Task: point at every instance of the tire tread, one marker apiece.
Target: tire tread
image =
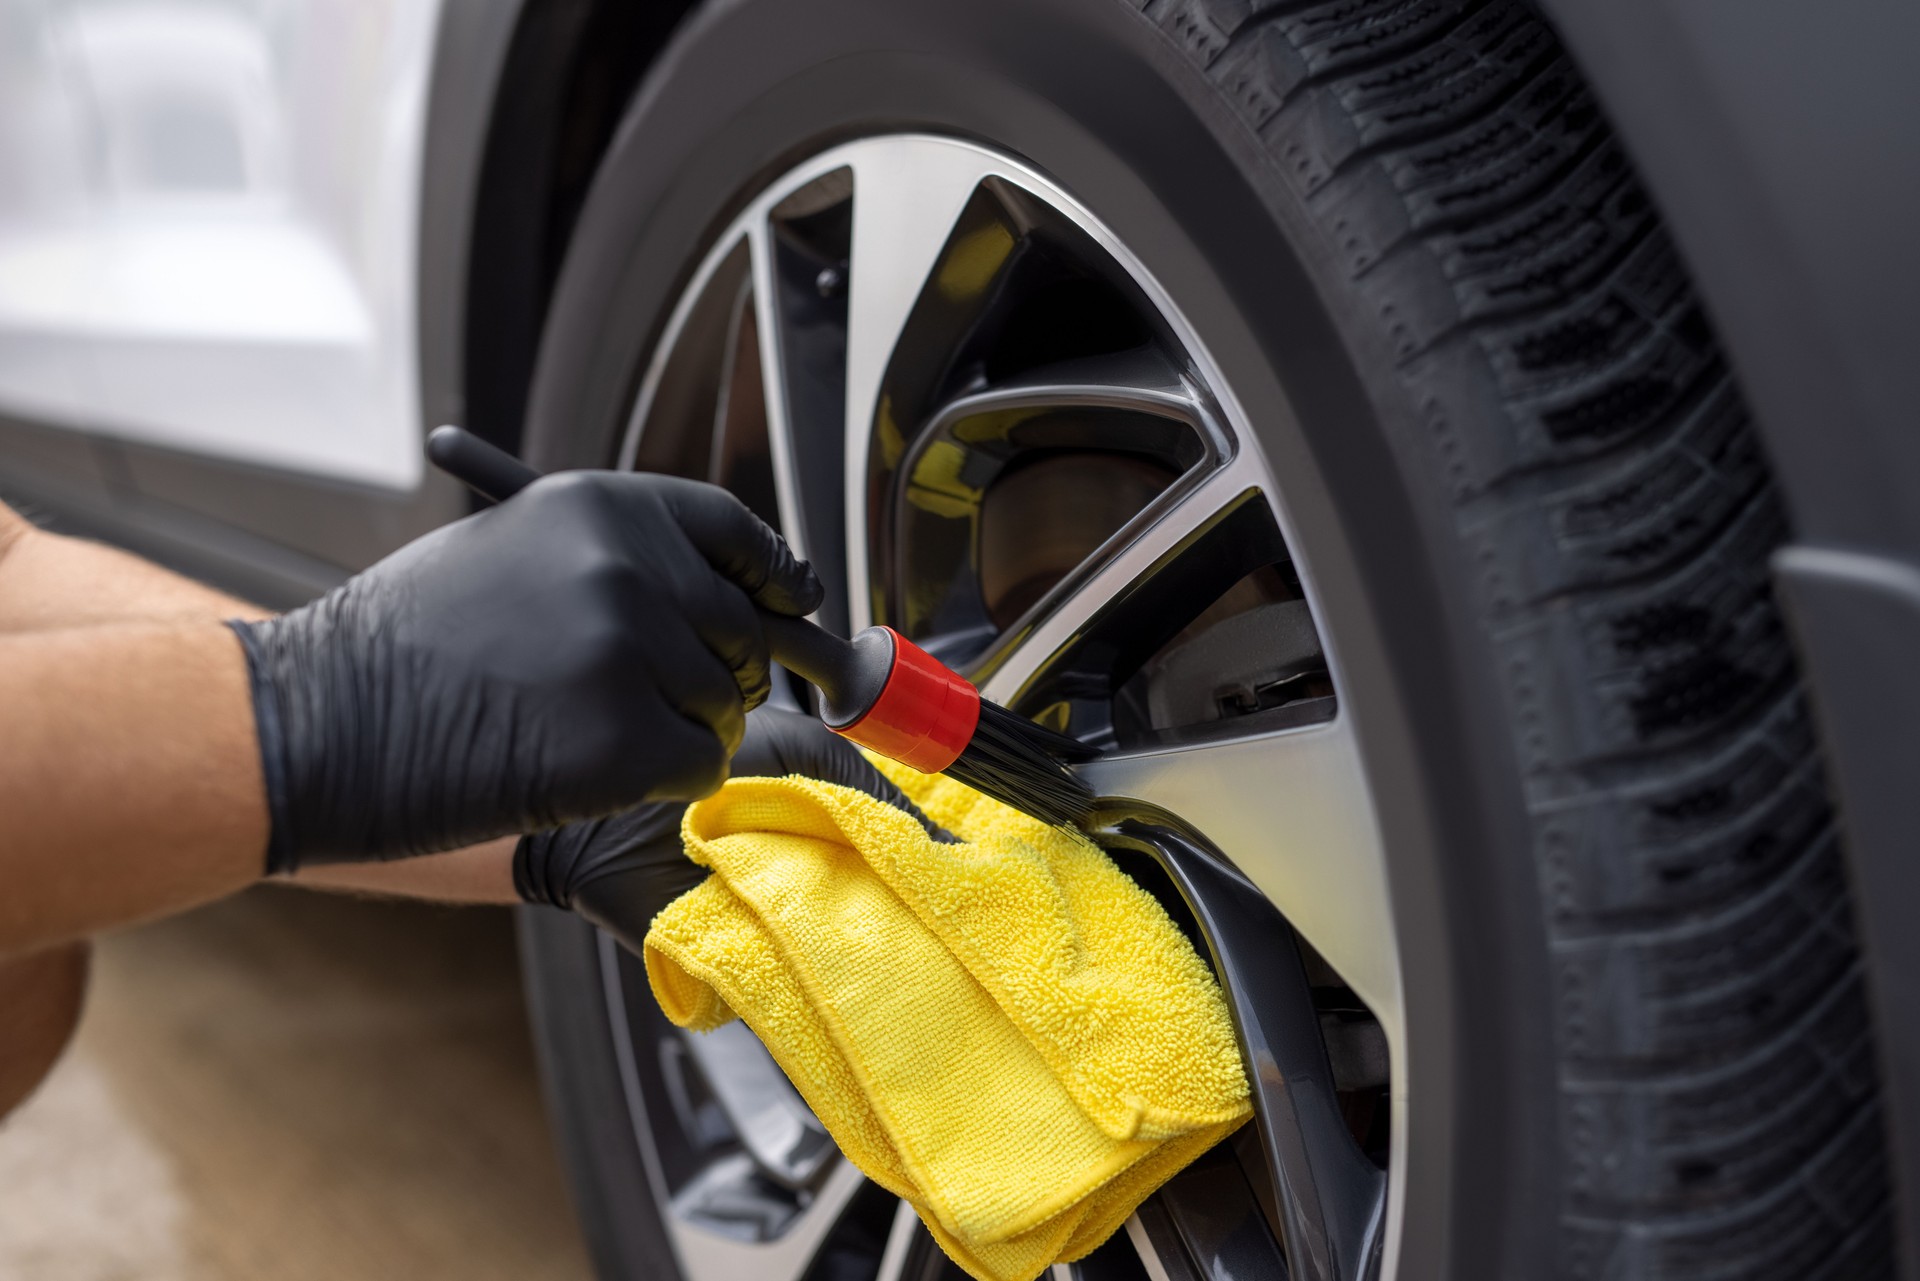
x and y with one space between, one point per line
1718 1099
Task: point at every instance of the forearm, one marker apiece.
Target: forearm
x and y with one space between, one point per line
477 874
130 782
49 581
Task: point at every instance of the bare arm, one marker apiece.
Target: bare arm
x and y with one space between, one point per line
129 778
50 586
478 874
48 581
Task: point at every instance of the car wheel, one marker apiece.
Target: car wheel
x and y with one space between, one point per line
1302 405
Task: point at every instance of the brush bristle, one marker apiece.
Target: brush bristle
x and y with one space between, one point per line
1018 763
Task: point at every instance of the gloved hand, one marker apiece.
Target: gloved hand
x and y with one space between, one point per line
586 646
619 872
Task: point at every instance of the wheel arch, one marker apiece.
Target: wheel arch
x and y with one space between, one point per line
1778 141
523 101
1768 138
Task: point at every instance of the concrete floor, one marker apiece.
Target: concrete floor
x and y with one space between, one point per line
293 1087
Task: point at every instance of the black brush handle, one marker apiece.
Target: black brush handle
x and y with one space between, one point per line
810 651
820 658
850 674
487 469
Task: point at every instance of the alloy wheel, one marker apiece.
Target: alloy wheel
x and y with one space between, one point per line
984 421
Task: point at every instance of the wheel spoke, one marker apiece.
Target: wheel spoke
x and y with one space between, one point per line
1147 544
709 1256
1290 811
893 1260
907 194
1142 379
1290 808
773 379
1331 1199
778 1131
1149 1253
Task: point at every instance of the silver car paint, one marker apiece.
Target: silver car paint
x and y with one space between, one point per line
209 226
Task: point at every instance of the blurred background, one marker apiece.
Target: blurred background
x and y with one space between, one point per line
206 225
293 1086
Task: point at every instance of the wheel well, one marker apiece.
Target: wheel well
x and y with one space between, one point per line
568 74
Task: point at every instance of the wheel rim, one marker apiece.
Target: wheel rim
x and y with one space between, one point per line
1260 819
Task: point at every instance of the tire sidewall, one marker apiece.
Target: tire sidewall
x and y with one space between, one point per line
1096 96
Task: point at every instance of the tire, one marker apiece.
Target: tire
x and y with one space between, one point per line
1541 521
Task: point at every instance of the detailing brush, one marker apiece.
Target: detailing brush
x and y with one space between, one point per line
879 689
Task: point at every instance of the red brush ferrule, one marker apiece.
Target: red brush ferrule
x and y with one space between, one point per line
925 715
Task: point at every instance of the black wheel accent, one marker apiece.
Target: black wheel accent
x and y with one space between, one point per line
1539 526
1328 1200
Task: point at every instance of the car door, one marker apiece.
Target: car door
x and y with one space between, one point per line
209 225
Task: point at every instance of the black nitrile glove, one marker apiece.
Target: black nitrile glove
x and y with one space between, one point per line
619 872
588 645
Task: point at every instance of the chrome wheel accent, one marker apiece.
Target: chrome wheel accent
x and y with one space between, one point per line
1259 814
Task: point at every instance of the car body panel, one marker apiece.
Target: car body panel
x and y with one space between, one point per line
270 496
208 234
1782 143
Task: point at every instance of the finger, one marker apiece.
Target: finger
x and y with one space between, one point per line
695 761
743 547
694 681
726 623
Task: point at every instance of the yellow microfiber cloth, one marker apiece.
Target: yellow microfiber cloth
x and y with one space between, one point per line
1007 1032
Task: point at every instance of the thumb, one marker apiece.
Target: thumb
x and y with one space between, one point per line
742 547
